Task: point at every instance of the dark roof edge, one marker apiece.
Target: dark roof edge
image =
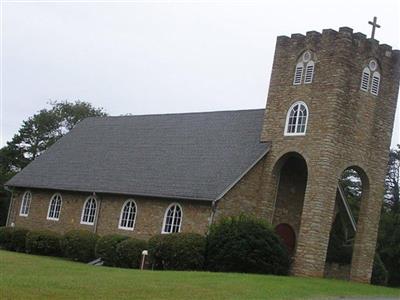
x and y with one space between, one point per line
243 174
110 192
178 113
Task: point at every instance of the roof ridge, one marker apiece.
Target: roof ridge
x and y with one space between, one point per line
182 113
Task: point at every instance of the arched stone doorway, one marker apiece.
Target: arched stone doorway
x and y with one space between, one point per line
288 236
351 197
291 171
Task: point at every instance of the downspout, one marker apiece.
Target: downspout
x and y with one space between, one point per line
97 212
10 206
213 210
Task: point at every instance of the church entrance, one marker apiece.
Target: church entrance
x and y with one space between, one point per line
291 170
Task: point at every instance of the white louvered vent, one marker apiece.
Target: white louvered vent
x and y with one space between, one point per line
298 74
309 72
376 78
365 80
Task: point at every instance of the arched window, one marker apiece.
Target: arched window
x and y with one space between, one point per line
368 84
376 79
172 219
365 79
306 63
296 119
53 212
25 204
89 211
128 215
309 72
298 74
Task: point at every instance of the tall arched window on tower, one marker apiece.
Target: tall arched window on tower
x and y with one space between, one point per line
309 72
306 65
298 73
376 80
89 211
128 215
25 204
365 79
371 83
172 219
296 119
53 212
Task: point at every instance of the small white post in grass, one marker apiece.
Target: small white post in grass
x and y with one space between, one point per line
144 254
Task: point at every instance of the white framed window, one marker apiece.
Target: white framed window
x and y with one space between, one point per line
89 211
365 79
371 78
309 72
296 119
53 213
298 74
128 215
304 71
172 219
25 204
376 79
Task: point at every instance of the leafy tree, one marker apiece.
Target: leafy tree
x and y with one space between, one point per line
389 230
43 129
35 136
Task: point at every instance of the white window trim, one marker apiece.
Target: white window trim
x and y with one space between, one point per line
83 211
134 218
365 70
22 204
286 133
48 210
298 65
310 63
375 74
165 218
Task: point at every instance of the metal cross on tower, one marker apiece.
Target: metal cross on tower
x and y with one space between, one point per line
374 25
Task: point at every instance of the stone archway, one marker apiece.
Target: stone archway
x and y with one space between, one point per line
351 199
292 173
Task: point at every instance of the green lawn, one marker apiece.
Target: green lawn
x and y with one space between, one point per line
34 277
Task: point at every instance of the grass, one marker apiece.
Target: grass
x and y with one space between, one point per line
25 276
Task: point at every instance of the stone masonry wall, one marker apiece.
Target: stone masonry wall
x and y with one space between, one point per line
244 197
346 127
149 217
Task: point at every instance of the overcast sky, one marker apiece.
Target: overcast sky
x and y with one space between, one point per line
154 57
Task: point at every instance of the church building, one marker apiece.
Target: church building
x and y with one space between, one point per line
331 106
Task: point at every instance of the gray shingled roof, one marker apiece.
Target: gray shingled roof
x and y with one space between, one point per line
192 155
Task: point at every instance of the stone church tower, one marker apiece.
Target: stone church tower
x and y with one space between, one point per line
331 105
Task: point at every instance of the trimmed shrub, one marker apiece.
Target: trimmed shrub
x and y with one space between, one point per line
380 275
129 253
79 245
106 248
43 242
12 238
246 244
177 251
6 237
18 239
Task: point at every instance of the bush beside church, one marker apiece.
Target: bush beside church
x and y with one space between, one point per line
237 244
254 248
